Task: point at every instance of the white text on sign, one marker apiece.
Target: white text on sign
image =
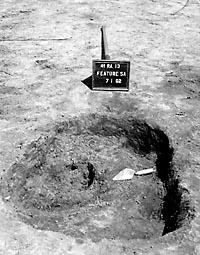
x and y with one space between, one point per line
107 65
110 73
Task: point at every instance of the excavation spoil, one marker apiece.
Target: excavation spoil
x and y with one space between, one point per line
64 181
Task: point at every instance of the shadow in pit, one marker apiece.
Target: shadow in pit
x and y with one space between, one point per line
78 183
144 138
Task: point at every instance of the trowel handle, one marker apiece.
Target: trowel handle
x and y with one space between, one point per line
104 44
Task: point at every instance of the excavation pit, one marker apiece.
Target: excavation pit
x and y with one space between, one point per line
64 181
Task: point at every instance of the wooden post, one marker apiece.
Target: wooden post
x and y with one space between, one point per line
104 44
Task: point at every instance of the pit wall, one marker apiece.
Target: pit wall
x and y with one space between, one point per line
145 138
142 138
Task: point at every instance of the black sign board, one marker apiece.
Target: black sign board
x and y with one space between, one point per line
110 75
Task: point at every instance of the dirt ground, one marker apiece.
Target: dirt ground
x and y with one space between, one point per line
47 48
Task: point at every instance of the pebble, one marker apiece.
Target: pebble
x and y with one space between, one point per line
7 198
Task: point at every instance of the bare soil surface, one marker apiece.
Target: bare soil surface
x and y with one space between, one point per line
46 49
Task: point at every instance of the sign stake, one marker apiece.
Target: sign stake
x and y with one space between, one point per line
104 44
108 75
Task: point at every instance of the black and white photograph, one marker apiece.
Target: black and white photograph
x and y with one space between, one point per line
99 127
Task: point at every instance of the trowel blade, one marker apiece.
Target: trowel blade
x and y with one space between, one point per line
125 174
